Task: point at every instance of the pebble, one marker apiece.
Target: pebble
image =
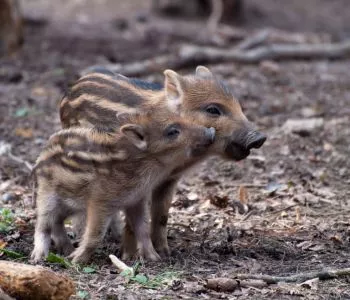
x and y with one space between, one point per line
192 196
9 197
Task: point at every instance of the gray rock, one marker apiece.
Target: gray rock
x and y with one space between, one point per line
303 127
9 197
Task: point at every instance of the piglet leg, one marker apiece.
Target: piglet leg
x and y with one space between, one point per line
138 218
98 219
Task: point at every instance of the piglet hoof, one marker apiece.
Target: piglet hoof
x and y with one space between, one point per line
150 254
40 251
38 255
162 247
79 256
127 256
164 252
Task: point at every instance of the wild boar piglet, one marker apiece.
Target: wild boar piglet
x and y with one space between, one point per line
95 172
203 97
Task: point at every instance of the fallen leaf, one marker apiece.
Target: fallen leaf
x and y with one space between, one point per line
39 92
140 278
284 214
83 294
243 194
21 112
219 201
273 187
11 254
89 270
53 258
311 284
336 238
2 244
26 133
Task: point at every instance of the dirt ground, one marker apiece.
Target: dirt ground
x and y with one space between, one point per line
298 184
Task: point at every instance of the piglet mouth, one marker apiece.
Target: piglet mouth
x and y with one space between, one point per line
236 152
203 146
200 149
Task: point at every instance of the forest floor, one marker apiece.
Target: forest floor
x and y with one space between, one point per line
298 215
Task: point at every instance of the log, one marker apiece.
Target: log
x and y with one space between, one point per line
29 282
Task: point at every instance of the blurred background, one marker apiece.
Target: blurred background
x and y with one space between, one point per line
296 211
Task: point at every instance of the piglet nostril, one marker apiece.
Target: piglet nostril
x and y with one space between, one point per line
256 141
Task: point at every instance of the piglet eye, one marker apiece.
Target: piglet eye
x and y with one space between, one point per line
172 131
213 110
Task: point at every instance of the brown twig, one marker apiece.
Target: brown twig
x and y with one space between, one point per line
301 277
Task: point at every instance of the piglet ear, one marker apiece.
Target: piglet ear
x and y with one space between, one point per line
123 117
203 72
135 134
173 90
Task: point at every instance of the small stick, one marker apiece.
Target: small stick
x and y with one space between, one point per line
21 161
247 216
248 185
301 277
283 209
